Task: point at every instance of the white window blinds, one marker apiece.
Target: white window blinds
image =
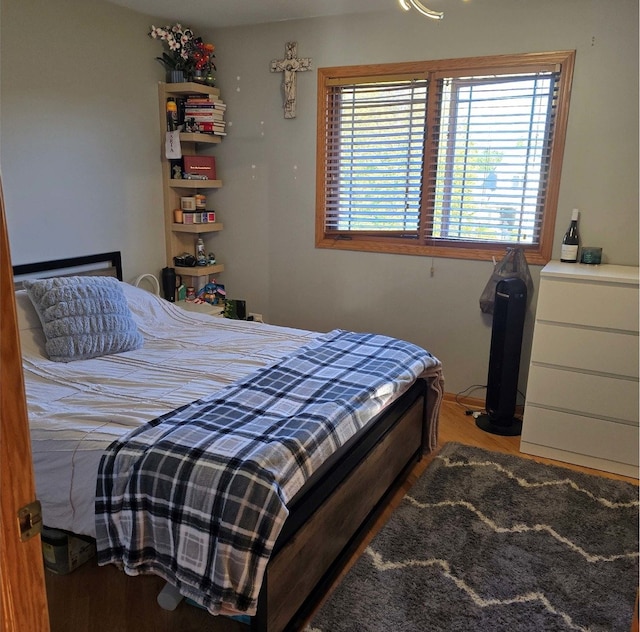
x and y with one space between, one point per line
489 168
375 142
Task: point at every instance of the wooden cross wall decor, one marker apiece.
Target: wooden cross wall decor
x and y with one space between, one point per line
290 65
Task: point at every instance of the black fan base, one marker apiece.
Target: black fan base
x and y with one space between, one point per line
511 429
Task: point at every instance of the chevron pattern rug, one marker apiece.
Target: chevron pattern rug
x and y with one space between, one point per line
496 543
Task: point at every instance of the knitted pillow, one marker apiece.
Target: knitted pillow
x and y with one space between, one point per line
83 317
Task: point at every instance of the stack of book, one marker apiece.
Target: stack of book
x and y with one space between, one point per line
204 114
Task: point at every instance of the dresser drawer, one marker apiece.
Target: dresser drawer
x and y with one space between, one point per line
581 435
586 349
595 395
610 306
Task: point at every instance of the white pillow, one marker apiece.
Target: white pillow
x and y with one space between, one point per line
83 317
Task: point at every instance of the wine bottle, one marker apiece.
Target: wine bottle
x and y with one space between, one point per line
571 240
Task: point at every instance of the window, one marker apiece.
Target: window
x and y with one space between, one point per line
454 158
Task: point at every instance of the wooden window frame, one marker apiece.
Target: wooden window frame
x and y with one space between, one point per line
539 253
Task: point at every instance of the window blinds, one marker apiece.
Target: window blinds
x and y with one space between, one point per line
488 171
478 174
375 142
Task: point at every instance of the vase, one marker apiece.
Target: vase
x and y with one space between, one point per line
175 76
199 76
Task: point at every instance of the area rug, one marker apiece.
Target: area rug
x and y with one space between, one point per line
496 543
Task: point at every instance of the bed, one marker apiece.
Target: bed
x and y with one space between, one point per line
80 410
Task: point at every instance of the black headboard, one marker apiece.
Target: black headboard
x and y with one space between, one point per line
112 260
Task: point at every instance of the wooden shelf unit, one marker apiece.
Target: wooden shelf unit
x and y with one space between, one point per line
181 238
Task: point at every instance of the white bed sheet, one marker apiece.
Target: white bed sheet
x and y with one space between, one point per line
77 409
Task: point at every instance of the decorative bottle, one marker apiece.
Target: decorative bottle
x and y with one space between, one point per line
201 257
172 115
571 240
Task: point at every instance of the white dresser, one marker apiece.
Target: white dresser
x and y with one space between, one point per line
582 392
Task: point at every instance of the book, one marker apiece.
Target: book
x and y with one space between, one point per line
207 119
205 103
202 97
219 114
205 106
203 112
208 126
204 100
203 129
204 119
200 165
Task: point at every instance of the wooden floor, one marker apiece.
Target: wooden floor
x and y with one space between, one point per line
97 599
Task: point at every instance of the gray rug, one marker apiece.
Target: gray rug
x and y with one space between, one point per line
492 542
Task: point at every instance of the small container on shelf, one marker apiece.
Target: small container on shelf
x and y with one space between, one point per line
201 202
188 203
591 255
201 257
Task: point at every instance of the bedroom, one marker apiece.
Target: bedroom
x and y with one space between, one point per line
83 123
78 126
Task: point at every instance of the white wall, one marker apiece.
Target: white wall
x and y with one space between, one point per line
79 135
79 153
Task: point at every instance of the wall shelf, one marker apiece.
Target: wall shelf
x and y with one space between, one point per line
195 184
200 271
197 228
194 137
189 87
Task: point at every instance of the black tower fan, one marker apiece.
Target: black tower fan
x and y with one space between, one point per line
504 359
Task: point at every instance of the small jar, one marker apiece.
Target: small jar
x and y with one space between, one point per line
188 203
178 216
201 202
591 255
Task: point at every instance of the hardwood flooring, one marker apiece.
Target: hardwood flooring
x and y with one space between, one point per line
101 599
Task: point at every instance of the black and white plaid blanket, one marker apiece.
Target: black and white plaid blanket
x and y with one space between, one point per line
198 496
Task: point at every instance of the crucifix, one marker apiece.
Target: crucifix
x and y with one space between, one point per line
290 65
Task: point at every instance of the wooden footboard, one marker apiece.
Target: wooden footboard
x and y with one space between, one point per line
354 492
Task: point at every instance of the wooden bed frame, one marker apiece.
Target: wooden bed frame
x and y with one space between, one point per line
333 511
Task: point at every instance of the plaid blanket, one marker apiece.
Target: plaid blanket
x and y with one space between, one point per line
198 496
